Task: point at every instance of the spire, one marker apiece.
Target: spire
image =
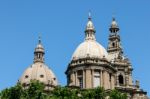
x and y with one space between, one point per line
39 52
89 17
39 39
90 30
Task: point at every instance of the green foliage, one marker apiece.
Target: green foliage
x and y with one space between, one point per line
36 91
97 93
12 93
64 93
114 94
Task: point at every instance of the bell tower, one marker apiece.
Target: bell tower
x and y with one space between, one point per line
118 60
114 45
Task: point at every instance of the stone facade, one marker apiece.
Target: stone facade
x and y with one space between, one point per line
92 66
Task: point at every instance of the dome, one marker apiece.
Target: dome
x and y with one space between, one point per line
89 48
90 25
39 48
38 71
114 24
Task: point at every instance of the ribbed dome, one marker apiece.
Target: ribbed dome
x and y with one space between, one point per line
38 71
89 48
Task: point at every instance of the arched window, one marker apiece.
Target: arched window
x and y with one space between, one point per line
113 44
121 79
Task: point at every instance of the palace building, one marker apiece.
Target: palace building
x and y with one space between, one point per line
92 65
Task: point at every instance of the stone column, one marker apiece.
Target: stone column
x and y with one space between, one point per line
104 80
76 83
108 82
101 78
126 80
130 79
88 80
73 78
83 77
112 82
117 80
92 79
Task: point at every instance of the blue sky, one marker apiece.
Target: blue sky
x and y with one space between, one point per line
61 24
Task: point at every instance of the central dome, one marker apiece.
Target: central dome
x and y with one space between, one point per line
89 48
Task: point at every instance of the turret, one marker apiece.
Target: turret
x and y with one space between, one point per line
39 52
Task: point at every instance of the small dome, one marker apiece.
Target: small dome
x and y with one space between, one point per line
38 71
89 25
89 48
114 24
39 48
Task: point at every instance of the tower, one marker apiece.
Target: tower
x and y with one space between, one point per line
116 56
123 76
114 46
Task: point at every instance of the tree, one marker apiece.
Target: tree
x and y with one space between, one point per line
88 94
12 93
99 93
64 93
34 90
115 94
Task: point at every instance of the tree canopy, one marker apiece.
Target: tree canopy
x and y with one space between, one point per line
36 90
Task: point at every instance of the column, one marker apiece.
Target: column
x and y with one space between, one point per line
105 81
101 78
76 83
112 82
83 78
73 78
88 79
92 83
117 80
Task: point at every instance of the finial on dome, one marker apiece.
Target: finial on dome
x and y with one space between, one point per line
39 38
39 45
113 18
89 17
